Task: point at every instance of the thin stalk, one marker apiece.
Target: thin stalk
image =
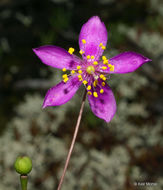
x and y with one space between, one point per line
73 141
23 181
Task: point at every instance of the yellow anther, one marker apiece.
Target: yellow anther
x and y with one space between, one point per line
95 83
64 69
80 71
101 91
64 76
95 94
80 78
104 68
100 45
90 69
89 93
95 63
81 52
103 58
102 76
66 79
83 41
85 82
72 72
103 83
88 56
89 87
92 56
78 67
111 67
103 47
71 50
105 62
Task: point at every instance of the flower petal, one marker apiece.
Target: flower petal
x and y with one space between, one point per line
127 62
62 92
104 106
56 57
94 32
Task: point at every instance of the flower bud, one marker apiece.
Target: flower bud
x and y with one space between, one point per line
23 165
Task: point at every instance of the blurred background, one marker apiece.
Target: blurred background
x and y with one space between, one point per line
106 156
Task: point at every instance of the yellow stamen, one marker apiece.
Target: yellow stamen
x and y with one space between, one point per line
88 56
80 71
95 83
90 69
104 68
89 87
78 67
64 76
95 63
102 76
101 91
85 82
66 79
103 83
103 58
111 67
72 72
100 45
83 41
89 93
105 62
95 94
80 78
64 69
81 52
103 47
71 50
92 57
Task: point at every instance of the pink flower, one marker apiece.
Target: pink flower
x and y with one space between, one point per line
90 70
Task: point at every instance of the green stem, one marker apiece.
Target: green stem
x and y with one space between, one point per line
24 181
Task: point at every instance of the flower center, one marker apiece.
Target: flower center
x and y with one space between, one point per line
90 70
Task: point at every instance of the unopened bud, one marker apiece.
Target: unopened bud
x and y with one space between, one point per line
23 165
